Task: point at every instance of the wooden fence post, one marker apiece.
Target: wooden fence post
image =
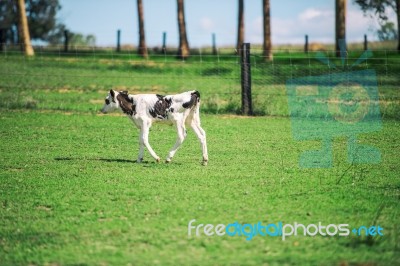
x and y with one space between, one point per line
247 108
164 42
66 40
2 38
214 44
306 45
118 40
365 42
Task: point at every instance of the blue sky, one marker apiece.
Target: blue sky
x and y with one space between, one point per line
290 21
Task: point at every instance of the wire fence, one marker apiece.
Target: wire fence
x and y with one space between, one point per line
79 79
86 73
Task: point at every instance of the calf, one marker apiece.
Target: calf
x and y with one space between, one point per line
144 109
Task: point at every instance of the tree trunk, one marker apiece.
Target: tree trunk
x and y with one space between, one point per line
340 24
2 39
240 35
183 42
398 24
24 29
142 50
267 45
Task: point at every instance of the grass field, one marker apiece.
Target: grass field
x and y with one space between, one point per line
86 76
71 193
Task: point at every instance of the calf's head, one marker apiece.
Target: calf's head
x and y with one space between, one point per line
116 100
110 103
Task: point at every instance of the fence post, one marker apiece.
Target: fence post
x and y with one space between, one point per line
118 40
66 40
2 38
365 42
214 45
247 108
306 45
164 41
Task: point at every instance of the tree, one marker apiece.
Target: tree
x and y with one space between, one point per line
56 35
7 21
240 34
23 29
379 7
267 45
387 32
42 21
42 17
183 42
79 39
142 42
340 22
398 24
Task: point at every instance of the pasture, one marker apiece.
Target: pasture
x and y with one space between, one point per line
72 194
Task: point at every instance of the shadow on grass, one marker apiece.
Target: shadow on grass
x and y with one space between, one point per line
143 163
95 159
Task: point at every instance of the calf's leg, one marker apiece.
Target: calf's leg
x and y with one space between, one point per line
200 133
145 139
141 147
181 132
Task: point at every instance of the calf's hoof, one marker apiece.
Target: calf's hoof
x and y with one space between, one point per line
158 160
205 162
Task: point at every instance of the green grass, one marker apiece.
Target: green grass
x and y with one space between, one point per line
71 193
83 76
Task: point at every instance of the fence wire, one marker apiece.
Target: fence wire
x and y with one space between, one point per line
78 80
87 73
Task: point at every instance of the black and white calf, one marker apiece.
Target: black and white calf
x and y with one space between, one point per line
144 109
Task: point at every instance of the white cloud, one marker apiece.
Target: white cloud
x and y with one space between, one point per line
255 32
311 13
318 24
206 24
357 25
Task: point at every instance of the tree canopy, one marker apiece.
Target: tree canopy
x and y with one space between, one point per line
42 20
379 7
387 32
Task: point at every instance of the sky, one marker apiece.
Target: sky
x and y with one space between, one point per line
290 21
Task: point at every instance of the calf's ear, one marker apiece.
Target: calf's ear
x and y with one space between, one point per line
112 93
